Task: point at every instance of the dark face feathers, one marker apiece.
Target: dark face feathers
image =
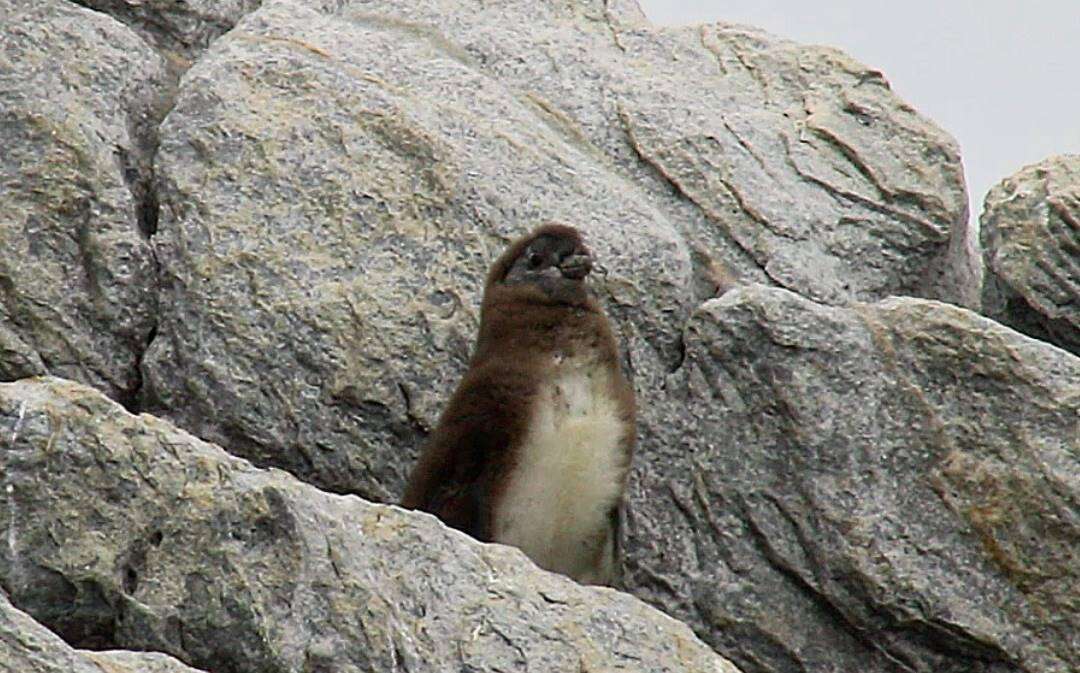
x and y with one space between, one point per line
538 284
553 257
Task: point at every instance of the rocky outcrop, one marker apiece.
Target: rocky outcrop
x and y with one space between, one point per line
78 96
180 30
324 239
885 487
28 647
790 164
335 183
1031 239
288 264
122 531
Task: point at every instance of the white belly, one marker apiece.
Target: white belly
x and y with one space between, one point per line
569 474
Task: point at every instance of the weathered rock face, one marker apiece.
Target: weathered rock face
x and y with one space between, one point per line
28 647
179 29
887 487
335 181
124 531
1031 238
883 487
332 193
790 164
77 277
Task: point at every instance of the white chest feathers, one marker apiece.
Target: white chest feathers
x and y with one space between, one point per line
569 475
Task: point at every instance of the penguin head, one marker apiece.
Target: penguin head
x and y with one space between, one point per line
552 256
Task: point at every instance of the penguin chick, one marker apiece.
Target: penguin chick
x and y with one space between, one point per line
534 447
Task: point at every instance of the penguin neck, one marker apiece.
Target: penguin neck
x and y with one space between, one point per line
526 323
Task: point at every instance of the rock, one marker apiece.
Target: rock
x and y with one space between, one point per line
28 647
333 191
179 29
885 487
335 182
77 277
794 165
1031 242
123 531
821 484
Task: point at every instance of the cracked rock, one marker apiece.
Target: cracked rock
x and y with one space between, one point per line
792 165
1031 238
29 647
77 279
127 532
886 487
179 29
333 190
336 179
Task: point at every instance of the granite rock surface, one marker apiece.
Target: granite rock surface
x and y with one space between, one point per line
123 531
262 228
1031 242
28 647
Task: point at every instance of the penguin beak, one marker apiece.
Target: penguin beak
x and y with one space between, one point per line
576 266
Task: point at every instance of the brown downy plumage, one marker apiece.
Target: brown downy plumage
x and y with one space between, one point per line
535 444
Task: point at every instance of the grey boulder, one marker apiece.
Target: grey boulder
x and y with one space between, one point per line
787 164
1031 243
123 531
333 191
77 275
29 647
883 487
335 180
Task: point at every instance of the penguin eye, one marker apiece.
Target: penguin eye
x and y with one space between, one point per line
535 260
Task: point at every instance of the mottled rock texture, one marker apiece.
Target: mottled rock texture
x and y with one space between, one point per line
333 190
267 224
1031 237
77 276
179 29
123 531
29 647
334 185
904 476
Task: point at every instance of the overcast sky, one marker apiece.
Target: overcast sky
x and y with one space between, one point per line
1001 76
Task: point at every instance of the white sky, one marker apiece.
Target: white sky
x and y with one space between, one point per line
1001 76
